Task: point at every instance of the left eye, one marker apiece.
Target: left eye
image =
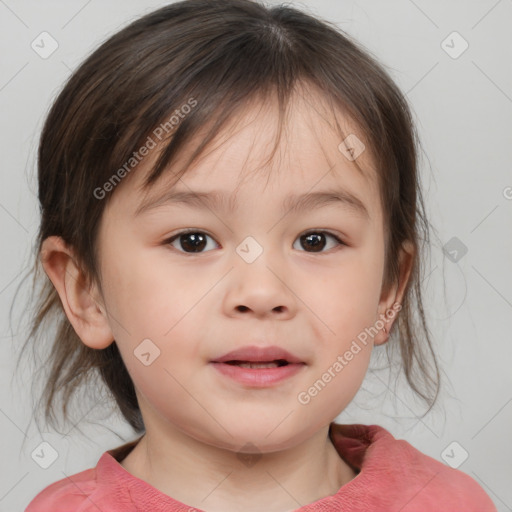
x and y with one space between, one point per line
193 241
316 240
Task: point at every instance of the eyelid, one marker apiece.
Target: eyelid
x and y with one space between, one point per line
185 231
335 234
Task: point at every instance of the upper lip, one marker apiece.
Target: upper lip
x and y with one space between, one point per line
254 353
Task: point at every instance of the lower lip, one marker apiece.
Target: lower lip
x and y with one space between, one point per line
258 377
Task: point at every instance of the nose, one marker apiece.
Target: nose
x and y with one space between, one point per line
257 289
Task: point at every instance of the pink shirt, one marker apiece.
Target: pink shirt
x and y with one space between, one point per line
392 476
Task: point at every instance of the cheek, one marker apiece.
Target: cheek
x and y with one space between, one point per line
152 300
342 377
344 299
146 298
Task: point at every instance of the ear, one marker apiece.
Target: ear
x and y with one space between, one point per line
82 303
395 293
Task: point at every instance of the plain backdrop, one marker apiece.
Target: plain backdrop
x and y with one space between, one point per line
452 59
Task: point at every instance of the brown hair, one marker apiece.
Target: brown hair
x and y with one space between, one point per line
223 54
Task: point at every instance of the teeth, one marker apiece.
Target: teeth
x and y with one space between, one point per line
258 365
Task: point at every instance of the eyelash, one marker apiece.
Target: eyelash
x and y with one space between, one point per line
174 237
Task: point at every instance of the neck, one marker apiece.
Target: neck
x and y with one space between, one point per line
214 479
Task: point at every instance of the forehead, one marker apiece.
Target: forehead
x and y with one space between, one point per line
312 153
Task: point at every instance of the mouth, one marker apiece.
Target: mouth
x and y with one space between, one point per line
258 364
271 355
258 374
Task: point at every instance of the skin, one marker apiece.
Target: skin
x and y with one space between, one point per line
189 305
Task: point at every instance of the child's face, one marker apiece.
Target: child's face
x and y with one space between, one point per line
197 306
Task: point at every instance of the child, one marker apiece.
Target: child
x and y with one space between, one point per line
230 296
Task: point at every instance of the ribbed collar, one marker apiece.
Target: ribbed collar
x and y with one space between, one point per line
359 445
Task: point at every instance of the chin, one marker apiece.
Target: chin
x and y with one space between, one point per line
266 437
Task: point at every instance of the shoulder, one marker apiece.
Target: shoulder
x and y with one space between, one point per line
104 487
70 493
397 476
427 482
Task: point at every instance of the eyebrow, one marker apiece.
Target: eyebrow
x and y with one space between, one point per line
215 200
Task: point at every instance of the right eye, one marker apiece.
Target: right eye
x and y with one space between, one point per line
191 241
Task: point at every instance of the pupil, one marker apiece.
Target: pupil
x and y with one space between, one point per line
316 240
197 242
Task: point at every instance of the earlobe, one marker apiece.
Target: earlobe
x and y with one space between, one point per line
79 300
393 298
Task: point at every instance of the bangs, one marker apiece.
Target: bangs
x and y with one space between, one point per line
200 135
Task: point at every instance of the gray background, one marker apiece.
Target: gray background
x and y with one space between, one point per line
463 107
